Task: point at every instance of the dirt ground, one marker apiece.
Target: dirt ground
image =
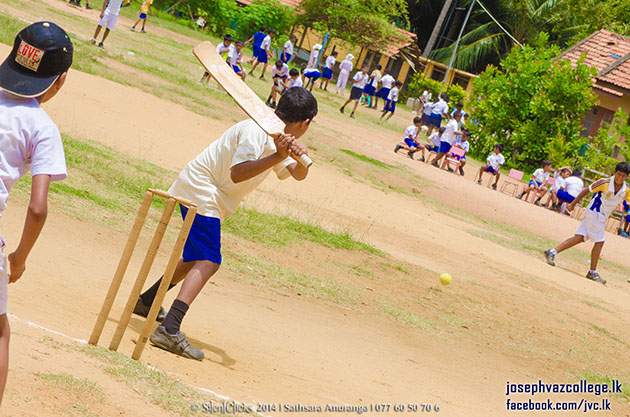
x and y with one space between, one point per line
524 320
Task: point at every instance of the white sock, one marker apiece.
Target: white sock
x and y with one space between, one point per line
553 251
592 271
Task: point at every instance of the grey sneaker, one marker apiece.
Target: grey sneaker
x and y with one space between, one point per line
595 277
549 257
397 148
175 343
479 182
143 310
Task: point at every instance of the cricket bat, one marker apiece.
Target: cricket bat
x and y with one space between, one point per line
247 100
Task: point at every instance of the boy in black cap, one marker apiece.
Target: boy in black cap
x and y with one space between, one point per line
33 73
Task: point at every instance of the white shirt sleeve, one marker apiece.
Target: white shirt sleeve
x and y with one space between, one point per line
48 157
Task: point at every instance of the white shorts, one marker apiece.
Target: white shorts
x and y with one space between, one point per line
4 279
109 20
593 227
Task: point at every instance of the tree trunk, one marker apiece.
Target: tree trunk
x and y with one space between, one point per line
437 28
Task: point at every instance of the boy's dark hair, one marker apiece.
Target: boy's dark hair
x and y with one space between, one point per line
385 71
271 32
292 36
297 104
334 53
398 83
364 66
546 163
227 38
466 132
460 104
623 167
417 120
565 169
238 42
263 28
302 70
576 173
444 97
499 146
294 71
378 67
279 64
457 113
442 130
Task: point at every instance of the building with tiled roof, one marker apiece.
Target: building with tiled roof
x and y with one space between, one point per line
609 53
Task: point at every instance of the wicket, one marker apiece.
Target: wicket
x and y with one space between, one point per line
144 270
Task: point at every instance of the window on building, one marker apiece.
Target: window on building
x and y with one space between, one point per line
594 119
438 74
461 80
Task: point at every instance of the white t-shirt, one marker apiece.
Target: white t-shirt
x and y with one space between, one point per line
281 73
411 132
441 107
28 140
266 43
206 180
346 65
540 175
465 145
574 185
376 76
559 183
288 47
221 48
495 160
387 81
393 94
330 62
449 132
426 96
233 55
360 79
463 113
312 59
113 6
297 82
428 108
435 139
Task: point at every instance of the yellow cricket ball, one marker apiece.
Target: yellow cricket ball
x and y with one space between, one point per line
445 279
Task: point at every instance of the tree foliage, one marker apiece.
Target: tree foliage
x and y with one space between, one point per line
600 151
419 83
534 105
269 13
360 22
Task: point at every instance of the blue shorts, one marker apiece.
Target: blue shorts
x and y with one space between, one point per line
411 143
327 73
459 158
355 93
262 56
491 170
534 182
383 92
369 90
204 239
256 50
390 106
426 119
313 74
435 148
285 57
143 15
435 120
564 196
236 69
445 147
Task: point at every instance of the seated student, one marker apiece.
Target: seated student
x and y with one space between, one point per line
625 220
294 78
494 162
279 74
537 182
434 141
462 143
574 186
410 141
559 185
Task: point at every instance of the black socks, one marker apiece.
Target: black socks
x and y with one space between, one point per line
149 295
174 318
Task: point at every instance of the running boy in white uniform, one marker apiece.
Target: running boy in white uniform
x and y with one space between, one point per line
287 49
279 74
234 58
109 16
360 80
392 99
386 85
327 72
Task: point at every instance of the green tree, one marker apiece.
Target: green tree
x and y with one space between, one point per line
608 141
534 105
268 13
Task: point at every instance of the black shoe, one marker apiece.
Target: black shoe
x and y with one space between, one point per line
461 171
410 154
352 115
87 6
549 257
494 187
519 196
435 164
143 310
537 202
595 277
341 110
175 343
397 148
422 159
450 169
100 45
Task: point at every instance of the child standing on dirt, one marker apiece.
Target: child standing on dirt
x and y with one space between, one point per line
109 16
608 193
217 180
145 8
360 80
33 73
390 103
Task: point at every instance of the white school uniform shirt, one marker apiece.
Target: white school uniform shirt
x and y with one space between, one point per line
221 48
604 199
28 140
282 72
330 62
495 160
462 112
435 139
312 59
559 183
449 132
540 175
574 185
393 94
387 81
360 79
346 65
206 180
465 145
295 83
428 108
376 78
441 107
411 132
426 96
113 7
233 55
266 43
288 47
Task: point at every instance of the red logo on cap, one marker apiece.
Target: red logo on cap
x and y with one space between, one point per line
28 56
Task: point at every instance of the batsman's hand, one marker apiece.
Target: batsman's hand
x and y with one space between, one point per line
283 143
297 150
15 271
570 206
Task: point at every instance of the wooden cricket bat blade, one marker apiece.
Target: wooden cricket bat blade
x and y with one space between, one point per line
242 95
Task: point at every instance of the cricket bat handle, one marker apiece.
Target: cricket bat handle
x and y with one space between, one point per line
306 161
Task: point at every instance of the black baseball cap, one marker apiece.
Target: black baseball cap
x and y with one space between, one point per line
41 53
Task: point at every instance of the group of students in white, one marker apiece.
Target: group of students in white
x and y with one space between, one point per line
567 184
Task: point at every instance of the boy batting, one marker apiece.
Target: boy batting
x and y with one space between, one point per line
217 180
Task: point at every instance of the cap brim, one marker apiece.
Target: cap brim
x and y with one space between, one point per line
23 85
